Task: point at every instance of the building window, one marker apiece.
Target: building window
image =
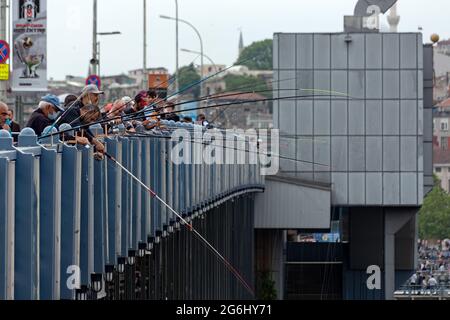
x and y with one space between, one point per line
444 143
444 125
438 170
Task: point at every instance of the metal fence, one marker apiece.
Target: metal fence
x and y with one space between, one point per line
60 210
417 292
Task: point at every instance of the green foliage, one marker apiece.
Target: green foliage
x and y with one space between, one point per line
247 83
267 289
434 218
258 55
189 76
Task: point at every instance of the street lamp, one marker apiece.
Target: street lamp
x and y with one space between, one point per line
121 261
177 83
131 257
109 33
97 60
96 280
144 69
199 37
199 53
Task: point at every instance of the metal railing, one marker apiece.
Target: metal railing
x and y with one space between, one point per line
65 216
418 292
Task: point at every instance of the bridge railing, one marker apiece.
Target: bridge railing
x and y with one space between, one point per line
65 215
418 292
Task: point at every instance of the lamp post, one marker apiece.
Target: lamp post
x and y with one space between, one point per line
97 57
144 69
94 41
177 83
199 53
95 45
199 37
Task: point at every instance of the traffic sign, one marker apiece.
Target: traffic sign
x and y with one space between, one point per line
4 51
4 72
94 79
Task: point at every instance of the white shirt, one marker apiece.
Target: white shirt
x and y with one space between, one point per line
432 282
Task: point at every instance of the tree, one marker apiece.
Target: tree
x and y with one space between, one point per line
267 290
188 76
434 218
258 55
247 83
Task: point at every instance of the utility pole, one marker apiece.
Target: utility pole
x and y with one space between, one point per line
177 74
94 61
3 36
144 69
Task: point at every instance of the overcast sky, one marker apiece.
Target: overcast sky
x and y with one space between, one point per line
70 28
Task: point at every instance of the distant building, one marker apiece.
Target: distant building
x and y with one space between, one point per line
441 166
254 114
441 119
139 74
443 47
210 69
442 70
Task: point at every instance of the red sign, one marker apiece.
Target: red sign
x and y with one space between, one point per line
94 79
158 81
4 51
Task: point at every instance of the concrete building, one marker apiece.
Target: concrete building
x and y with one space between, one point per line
441 166
362 162
441 133
251 111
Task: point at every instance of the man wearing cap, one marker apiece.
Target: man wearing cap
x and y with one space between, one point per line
141 100
89 96
79 113
48 111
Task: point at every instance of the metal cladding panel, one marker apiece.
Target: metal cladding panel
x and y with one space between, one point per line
100 230
71 215
7 221
50 224
126 191
26 273
114 188
279 207
86 231
145 195
375 113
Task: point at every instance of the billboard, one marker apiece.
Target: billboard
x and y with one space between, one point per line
29 45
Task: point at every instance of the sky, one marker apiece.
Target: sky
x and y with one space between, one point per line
218 21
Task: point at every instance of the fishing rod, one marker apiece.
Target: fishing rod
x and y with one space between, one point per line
245 102
64 114
210 96
81 96
236 133
198 142
139 114
181 111
189 226
190 86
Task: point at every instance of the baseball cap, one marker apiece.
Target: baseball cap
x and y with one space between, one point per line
54 100
92 88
